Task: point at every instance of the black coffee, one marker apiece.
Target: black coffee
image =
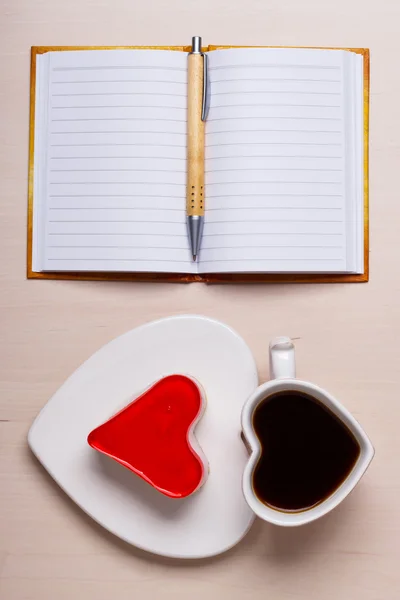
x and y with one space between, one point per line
307 452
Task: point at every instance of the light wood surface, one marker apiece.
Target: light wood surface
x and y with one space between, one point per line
347 335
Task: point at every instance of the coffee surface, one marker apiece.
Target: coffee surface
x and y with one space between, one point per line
307 452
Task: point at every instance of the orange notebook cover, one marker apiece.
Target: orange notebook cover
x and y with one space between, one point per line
187 278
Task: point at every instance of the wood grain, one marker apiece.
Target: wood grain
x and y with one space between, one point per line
346 335
195 141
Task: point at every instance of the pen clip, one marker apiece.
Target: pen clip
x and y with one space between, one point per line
196 49
206 89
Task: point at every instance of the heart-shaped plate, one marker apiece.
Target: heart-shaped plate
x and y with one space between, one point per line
205 524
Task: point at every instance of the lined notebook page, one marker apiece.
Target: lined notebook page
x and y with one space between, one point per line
275 162
110 162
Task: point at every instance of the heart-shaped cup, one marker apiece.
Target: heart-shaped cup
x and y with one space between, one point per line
282 370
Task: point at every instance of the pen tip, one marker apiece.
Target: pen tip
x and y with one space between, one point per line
194 257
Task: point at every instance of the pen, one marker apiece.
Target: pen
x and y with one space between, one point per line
197 96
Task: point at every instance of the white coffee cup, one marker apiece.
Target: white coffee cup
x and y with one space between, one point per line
283 374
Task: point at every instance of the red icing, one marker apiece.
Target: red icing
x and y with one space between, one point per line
150 436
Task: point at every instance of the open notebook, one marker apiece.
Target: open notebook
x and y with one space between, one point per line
286 165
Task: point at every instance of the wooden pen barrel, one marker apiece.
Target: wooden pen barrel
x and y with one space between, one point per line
195 137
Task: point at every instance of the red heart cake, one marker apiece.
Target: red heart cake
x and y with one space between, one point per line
153 436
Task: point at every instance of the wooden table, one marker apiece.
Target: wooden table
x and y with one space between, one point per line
348 336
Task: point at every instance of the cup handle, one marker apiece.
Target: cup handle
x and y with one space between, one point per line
282 364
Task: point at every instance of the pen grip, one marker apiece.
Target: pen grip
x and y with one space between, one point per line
195 193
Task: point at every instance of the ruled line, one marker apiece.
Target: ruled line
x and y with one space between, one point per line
266 181
169 260
174 261
131 157
183 184
333 132
121 131
119 94
212 171
301 169
119 106
262 260
120 144
125 171
241 156
274 143
274 221
149 208
274 104
242 221
263 104
134 247
297 92
120 119
167 208
120 234
209 209
246 207
261 118
265 92
116 221
273 195
203 249
261 246
130 67
121 81
274 65
266 195
209 158
112 196
116 183
291 79
267 234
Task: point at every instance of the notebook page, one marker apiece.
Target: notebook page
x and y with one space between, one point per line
275 162
110 162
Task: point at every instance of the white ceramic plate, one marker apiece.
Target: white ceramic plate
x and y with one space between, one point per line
217 516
